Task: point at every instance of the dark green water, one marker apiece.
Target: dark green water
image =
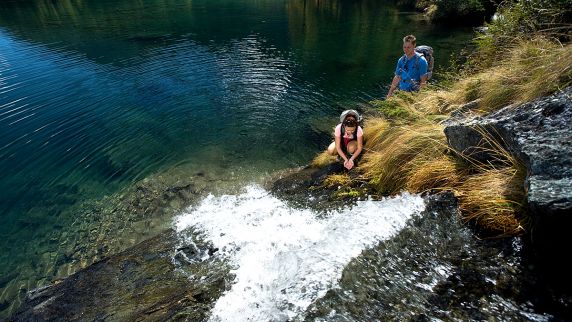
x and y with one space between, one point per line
97 95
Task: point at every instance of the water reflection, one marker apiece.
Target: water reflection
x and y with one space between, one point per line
358 39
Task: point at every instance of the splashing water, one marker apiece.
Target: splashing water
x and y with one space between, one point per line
286 258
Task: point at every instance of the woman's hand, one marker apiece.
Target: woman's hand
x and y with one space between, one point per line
349 164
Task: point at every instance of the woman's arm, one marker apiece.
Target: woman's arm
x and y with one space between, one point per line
339 148
359 148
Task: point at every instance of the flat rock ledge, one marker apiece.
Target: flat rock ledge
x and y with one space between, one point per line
151 281
539 133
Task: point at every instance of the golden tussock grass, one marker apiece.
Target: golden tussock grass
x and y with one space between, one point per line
491 194
531 69
322 159
398 151
492 200
436 102
372 129
414 158
440 173
552 73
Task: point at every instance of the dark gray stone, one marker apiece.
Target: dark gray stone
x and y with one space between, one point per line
143 283
539 133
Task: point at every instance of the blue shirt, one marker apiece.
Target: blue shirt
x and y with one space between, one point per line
410 71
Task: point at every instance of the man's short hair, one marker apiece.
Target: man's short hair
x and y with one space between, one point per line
410 38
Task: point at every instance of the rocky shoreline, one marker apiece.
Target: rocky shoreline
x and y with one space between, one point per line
160 279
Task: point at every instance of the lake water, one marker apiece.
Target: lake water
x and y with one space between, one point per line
97 96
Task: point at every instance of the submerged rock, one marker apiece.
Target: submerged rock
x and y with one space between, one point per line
146 282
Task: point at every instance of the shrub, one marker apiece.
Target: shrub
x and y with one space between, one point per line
524 20
464 11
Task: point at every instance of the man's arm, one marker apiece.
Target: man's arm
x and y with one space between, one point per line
423 69
394 84
423 81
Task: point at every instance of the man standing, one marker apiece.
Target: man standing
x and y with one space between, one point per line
411 71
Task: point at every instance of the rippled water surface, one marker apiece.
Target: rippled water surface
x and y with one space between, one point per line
98 96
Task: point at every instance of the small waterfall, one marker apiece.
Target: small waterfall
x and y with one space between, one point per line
285 258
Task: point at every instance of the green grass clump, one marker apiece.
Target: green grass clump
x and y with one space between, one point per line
391 109
520 20
337 180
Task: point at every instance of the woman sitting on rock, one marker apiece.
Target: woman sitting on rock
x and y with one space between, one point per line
348 139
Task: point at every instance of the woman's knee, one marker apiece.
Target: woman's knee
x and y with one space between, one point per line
352 147
332 148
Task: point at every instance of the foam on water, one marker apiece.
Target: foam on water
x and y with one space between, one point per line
286 258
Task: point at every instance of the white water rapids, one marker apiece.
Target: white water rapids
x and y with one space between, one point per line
285 258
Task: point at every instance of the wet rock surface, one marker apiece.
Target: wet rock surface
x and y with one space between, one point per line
305 187
143 283
539 133
435 269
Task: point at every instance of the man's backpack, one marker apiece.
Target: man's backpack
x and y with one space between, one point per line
427 52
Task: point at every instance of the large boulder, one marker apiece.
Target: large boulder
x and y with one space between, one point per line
539 133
